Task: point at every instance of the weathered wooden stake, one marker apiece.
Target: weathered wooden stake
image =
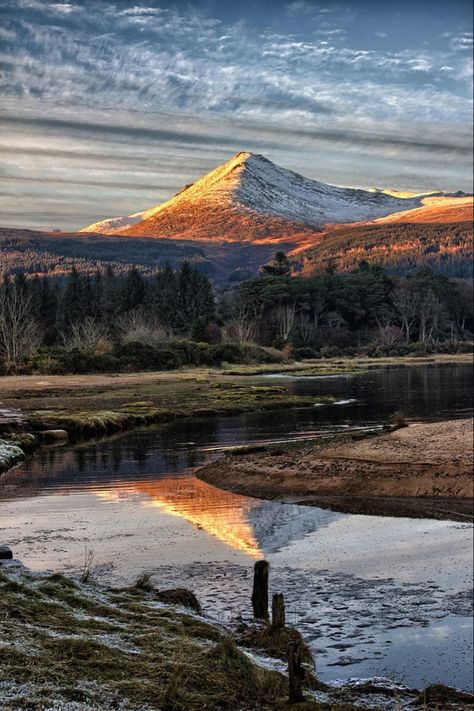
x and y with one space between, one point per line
296 673
260 590
278 611
5 553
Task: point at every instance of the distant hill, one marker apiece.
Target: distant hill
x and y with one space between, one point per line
55 253
439 235
250 199
439 208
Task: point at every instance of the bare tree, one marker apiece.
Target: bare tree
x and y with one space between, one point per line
429 313
307 327
20 333
389 335
139 326
319 308
285 318
89 335
241 329
404 302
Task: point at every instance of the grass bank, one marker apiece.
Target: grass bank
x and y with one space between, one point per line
194 400
87 406
64 642
346 364
68 645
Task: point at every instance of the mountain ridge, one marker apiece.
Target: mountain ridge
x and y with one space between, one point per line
250 199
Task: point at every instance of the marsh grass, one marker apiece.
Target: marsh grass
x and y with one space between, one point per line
155 657
197 399
62 641
88 566
275 642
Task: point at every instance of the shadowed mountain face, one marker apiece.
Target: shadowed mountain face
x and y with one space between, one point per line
250 199
54 254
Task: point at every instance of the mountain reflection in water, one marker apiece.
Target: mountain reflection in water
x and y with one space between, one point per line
369 594
219 513
248 525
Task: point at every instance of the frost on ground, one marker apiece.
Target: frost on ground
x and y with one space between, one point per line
10 454
14 448
72 646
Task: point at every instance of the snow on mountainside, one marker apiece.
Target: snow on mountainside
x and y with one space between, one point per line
249 198
113 224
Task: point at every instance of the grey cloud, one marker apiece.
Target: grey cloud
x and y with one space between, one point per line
95 85
128 132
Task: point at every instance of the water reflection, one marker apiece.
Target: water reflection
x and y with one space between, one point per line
218 513
251 526
369 398
421 392
133 499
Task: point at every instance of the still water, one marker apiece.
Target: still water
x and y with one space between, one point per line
372 595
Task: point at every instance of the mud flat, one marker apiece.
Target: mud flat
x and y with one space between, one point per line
424 470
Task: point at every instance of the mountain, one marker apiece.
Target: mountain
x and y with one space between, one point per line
250 199
440 209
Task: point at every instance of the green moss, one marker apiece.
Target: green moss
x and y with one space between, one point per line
89 423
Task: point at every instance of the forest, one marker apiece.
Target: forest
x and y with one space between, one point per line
115 321
400 247
54 254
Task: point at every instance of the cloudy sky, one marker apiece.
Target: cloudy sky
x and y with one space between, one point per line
109 108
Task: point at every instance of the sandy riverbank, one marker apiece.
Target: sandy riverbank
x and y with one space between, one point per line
424 470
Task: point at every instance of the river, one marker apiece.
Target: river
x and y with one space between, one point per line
372 595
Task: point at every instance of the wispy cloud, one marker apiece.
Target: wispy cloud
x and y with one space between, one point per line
193 85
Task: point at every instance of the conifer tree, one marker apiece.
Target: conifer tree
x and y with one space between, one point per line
74 302
163 297
133 290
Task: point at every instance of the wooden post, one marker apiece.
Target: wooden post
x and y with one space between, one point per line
260 590
278 611
296 673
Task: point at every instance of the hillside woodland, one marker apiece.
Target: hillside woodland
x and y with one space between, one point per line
55 253
400 247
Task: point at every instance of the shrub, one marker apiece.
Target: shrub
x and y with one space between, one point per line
331 352
138 326
306 352
47 362
89 336
398 419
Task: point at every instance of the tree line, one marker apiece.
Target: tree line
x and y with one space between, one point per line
114 321
350 310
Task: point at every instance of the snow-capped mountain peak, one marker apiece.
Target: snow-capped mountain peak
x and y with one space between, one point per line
249 198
